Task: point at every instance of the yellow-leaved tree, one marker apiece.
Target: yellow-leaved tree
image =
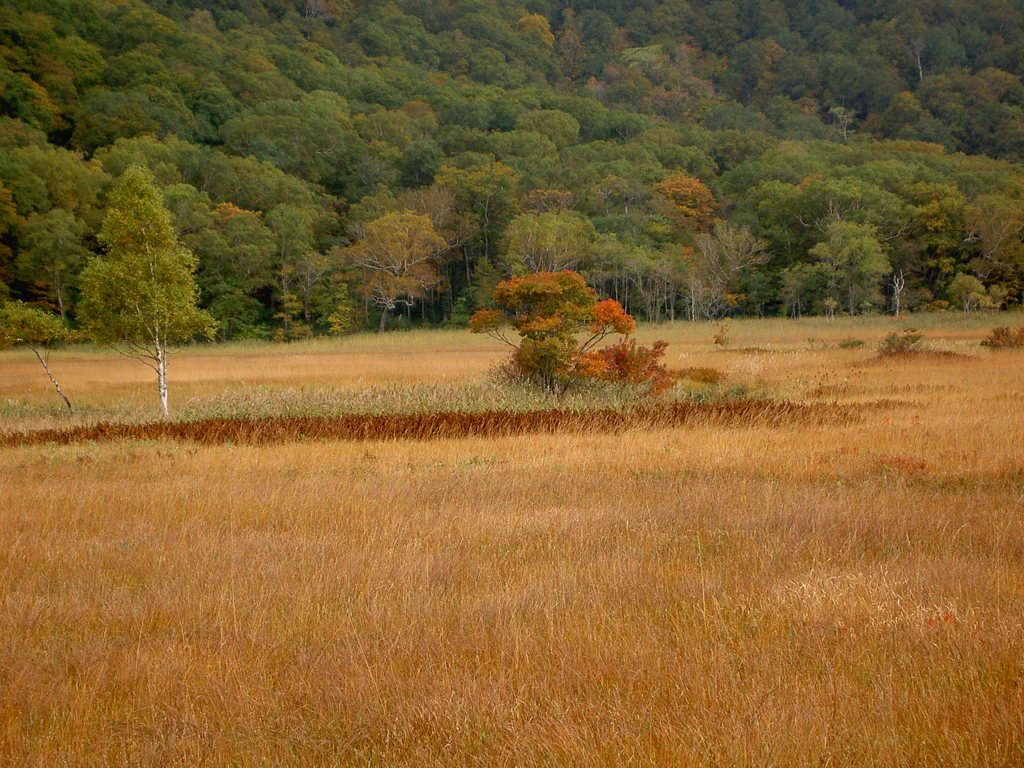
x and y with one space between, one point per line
398 256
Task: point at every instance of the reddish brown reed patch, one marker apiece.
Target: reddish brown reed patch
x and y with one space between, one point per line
450 424
920 354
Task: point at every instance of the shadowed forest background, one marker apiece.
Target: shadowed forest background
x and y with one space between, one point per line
690 159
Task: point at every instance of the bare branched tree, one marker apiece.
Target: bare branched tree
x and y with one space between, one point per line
721 256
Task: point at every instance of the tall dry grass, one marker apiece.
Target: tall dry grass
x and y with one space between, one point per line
785 594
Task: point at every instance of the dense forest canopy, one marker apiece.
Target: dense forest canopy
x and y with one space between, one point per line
691 159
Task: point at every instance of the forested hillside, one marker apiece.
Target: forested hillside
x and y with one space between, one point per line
338 164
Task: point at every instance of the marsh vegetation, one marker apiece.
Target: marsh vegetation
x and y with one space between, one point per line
788 591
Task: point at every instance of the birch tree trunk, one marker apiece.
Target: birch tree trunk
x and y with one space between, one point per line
161 375
46 367
898 283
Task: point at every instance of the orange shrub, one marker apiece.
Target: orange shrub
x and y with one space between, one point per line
629 363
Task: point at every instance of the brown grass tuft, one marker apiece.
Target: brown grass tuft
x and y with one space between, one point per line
698 374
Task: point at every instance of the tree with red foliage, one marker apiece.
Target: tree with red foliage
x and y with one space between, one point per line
631 364
549 311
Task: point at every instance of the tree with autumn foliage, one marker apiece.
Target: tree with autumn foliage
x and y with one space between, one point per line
693 204
397 254
549 310
559 321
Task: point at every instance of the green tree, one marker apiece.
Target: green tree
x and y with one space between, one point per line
995 224
562 128
969 293
45 178
311 137
798 286
549 242
235 252
854 263
106 115
486 190
298 266
37 329
54 248
142 294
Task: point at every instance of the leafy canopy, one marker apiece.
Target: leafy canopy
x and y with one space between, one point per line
37 329
397 255
143 292
22 323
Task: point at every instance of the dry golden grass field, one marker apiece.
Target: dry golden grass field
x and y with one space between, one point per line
843 592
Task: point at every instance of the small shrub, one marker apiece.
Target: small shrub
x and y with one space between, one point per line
851 344
721 337
1005 337
736 392
630 364
905 342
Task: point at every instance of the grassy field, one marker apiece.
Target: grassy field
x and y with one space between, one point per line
809 593
406 371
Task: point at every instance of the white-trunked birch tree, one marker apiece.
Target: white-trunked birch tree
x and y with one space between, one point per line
24 325
141 296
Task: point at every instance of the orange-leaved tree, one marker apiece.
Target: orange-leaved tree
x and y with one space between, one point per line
559 321
693 203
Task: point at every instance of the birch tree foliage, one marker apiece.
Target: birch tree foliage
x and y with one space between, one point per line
24 325
141 295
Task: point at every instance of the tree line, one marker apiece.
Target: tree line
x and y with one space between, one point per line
340 165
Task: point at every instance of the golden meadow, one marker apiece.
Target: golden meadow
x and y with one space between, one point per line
833 576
